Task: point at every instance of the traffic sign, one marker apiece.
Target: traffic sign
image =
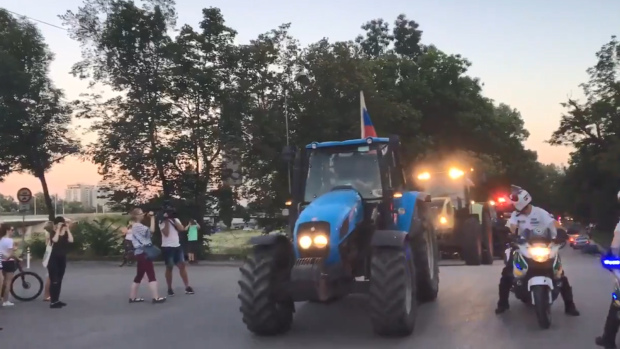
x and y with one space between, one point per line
24 195
24 207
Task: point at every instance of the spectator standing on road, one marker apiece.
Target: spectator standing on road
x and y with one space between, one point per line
172 252
193 244
49 230
9 265
141 238
127 244
61 240
1 275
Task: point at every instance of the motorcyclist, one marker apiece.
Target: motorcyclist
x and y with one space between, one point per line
528 216
608 339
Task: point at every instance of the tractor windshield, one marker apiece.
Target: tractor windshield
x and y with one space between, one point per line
441 184
355 166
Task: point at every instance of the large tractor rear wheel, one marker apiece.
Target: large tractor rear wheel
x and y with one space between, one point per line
261 275
487 238
393 299
470 233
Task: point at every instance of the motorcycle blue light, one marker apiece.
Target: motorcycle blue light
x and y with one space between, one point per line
610 262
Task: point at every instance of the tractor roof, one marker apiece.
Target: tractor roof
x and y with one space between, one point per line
360 141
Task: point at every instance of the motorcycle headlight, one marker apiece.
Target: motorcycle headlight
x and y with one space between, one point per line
539 254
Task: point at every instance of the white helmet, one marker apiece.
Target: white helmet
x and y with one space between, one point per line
520 198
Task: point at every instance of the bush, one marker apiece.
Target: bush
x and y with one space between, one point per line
37 247
101 237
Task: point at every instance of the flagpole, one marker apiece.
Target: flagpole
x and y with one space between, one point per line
362 105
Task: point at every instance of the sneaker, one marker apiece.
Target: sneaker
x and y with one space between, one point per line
56 305
189 290
7 304
62 304
170 293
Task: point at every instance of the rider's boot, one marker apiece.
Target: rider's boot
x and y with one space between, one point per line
567 295
608 339
504 293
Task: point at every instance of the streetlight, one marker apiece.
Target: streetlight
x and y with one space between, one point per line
303 79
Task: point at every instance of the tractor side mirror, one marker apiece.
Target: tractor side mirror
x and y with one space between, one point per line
288 153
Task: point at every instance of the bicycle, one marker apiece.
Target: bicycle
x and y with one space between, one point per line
21 276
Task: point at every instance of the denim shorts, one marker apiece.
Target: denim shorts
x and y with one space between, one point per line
172 256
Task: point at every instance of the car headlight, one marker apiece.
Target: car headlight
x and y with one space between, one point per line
320 241
539 254
443 220
305 242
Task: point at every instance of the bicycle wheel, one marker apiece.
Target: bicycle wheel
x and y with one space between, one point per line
26 286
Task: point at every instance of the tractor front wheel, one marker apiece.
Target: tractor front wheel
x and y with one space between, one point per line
262 312
393 300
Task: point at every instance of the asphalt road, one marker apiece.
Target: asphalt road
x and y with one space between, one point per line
98 315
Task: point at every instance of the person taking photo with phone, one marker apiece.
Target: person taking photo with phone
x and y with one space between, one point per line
173 252
61 240
193 244
141 237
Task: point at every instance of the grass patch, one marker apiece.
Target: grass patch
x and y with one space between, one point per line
603 238
231 242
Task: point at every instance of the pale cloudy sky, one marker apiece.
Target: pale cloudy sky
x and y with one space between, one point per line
529 54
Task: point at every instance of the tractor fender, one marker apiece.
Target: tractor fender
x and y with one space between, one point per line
267 240
388 238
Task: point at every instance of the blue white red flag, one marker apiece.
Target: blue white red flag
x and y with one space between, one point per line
368 129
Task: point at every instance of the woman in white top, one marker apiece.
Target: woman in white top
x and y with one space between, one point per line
7 249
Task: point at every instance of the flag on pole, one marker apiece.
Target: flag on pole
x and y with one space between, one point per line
368 130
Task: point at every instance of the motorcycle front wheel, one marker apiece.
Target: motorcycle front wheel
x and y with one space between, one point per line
542 305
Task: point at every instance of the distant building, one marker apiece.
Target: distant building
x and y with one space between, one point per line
83 193
103 192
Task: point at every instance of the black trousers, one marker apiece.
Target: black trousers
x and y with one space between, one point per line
56 267
505 283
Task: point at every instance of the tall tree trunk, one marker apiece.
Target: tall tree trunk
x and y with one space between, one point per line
51 213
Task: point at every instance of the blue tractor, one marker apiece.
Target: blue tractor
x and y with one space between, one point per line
357 226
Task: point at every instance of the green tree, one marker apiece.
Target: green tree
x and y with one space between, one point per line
592 127
35 120
8 204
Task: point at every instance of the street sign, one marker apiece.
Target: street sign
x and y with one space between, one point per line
24 207
24 195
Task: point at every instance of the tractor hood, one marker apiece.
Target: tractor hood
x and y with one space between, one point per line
332 207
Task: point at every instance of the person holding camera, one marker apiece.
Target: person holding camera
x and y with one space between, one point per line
61 240
193 244
141 238
172 251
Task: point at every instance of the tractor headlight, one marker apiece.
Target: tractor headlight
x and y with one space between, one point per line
320 241
443 220
424 176
305 242
539 254
455 173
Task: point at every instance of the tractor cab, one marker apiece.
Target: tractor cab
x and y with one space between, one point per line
365 169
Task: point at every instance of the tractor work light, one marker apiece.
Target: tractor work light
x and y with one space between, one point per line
397 195
492 203
455 173
443 220
288 203
424 176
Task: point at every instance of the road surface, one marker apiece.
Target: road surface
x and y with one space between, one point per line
99 317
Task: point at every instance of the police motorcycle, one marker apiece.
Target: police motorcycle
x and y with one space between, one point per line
537 271
611 262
